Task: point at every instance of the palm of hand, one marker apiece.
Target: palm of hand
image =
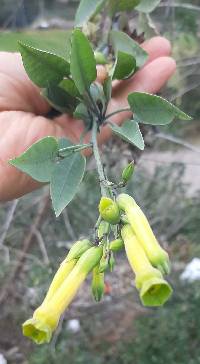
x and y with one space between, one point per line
22 110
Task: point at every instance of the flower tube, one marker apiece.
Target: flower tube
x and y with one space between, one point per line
45 319
154 290
139 223
67 265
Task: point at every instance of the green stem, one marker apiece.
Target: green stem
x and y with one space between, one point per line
104 190
116 112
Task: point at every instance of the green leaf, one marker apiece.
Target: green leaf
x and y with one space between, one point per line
87 9
154 110
42 67
65 180
147 6
81 112
124 67
69 86
123 43
130 132
39 160
122 5
64 143
83 64
60 99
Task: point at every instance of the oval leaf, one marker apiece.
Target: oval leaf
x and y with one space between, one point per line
83 64
123 43
39 160
147 6
124 66
122 5
60 99
87 9
42 67
130 132
65 180
154 110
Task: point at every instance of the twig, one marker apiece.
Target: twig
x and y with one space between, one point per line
98 159
68 225
8 287
185 90
56 336
42 246
178 5
8 221
176 140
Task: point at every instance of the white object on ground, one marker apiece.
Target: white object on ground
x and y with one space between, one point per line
191 272
2 359
73 326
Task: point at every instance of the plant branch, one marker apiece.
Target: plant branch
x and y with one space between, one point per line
102 178
117 112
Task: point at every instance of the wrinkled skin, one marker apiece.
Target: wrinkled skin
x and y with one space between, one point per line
22 110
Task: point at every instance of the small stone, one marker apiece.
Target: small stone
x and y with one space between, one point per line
2 359
73 326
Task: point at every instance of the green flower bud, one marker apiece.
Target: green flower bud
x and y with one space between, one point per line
104 263
103 229
109 210
128 172
116 245
100 58
111 261
98 284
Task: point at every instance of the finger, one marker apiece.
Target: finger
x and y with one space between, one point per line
149 79
17 91
157 47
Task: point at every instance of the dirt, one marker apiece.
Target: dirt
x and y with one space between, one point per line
190 159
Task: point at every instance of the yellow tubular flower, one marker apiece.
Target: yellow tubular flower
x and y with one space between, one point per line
139 223
61 274
154 290
46 317
66 266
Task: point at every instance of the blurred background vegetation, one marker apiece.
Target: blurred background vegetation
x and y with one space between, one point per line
33 242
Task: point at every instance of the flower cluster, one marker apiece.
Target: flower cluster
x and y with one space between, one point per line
124 220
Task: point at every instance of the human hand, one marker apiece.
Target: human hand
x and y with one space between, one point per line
23 110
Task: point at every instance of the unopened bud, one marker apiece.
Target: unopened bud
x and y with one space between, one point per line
98 284
116 245
104 264
109 210
128 172
111 261
100 58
